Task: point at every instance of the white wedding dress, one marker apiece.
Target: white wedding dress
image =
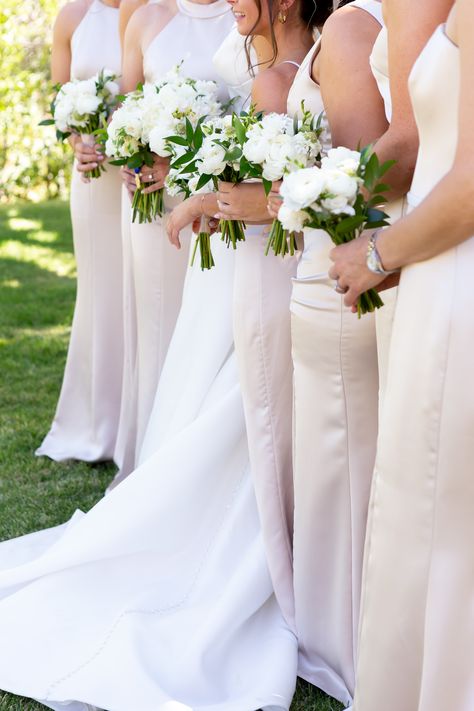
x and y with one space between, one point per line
159 598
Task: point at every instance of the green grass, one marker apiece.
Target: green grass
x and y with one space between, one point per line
37 292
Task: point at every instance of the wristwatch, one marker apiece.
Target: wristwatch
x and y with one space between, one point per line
374 262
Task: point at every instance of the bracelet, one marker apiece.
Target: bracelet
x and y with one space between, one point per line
374 261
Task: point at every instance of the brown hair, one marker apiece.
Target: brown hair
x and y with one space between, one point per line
312 13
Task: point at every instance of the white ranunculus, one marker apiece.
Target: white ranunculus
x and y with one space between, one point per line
338 205
211 158
339 183
112 87
87 104
157 136
302 187
256 149
292 220
342 159
275 124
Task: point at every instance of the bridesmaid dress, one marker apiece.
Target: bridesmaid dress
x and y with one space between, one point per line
158 269
262 286
335 431
86 420
394 209
417 627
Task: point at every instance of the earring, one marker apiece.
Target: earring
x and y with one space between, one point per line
282 17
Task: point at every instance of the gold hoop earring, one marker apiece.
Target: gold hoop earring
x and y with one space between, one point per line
282 17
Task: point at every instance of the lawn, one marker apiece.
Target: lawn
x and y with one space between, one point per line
37 291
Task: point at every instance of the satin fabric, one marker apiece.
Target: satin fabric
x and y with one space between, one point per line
335 410
124 452
335 432
158 268
417 631
160 597
86 419
263 348
394 209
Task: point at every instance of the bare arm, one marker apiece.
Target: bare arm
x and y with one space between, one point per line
409 26
350 94
67 20
446 217
246 201
127 8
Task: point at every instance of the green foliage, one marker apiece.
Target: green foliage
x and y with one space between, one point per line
33 165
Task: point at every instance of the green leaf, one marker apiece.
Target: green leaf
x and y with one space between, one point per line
189 131
46 122
267 185
239 129
203 180
182 160
198 137
349 224
177 139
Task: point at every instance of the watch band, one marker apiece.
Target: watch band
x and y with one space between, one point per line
374 261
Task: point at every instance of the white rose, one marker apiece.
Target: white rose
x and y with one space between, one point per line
292 220
303 187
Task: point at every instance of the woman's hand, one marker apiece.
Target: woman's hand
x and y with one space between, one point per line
128 179
186 213
87 157
154 176
350 270
242 201
274 200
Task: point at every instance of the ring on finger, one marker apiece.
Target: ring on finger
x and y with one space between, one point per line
340 289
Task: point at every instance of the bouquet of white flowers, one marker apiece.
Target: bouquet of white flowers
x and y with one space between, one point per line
242 147
213 151
83 106
147 116
280 145
330 198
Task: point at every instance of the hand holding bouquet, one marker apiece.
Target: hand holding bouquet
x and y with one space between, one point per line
331 198
147 116
213 151
83 107
278 146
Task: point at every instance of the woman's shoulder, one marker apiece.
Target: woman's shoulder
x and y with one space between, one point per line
70 15
348 22
271 86
154 12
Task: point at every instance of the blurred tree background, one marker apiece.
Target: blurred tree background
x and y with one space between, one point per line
33 165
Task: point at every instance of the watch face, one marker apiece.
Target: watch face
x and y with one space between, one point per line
373 262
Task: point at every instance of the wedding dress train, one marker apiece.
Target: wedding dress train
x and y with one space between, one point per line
159 598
